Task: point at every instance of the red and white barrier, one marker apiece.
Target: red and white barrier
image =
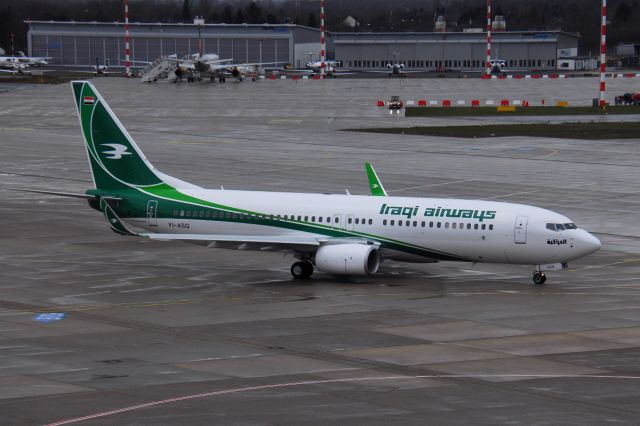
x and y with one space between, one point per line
449 103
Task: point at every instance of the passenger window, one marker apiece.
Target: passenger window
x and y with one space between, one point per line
399 223
484 226
349 220
313 218
430 224
393 222
201 213
446 225
320 219
306 218
454 225
438 224
336 220
384 222
299 218
423 223
181 213
468 226
490 227
370 221
286 217
357 221
415 223
475 226
175 213
408 223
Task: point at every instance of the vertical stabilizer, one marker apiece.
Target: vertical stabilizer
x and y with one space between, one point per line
116 161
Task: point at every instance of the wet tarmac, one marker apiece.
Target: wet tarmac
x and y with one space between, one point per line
96 328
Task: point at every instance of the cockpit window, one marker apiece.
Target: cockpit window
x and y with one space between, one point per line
561 226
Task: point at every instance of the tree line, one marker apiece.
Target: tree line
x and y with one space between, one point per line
580 16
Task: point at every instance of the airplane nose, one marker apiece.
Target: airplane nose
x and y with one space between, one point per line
590 243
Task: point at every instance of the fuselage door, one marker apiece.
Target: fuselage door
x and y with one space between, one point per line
520 234
350 222
152 213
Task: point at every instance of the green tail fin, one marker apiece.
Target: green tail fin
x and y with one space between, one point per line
116 161
374 182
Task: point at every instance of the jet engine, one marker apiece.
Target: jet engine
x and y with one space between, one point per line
348 259
235 72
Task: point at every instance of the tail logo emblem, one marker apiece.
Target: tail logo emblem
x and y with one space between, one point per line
117 152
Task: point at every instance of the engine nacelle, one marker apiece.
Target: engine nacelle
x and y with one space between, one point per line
401 66
389 66
348 259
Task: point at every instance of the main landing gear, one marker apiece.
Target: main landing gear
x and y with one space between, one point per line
302 269
539 278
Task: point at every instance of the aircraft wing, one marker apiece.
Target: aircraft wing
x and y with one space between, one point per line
257 242
244 242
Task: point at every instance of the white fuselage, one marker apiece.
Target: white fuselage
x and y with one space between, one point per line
470 230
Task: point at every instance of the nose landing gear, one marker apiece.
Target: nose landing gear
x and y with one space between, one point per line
302 270
539 278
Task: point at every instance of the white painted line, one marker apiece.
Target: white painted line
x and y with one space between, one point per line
142 289
223 357
320 382
12 347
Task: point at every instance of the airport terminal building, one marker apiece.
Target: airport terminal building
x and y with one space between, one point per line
80 43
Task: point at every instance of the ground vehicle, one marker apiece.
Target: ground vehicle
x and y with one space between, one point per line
395 104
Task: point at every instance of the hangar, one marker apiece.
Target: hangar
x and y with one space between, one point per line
80 43
452 50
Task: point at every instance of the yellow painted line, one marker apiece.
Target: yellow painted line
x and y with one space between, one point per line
16 129
223 141
606 265
285 121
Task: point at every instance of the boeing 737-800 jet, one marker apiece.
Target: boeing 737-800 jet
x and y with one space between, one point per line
334 233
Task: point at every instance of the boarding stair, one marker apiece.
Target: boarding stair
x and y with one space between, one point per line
155 70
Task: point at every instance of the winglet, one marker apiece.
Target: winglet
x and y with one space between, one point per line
377 189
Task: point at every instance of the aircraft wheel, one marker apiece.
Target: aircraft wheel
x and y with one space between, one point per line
302 270
539 278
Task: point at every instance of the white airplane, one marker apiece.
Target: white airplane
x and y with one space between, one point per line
13 65
395 69
331 69
333 233
33 60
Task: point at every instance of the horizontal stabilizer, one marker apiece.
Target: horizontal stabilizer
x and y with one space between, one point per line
60 194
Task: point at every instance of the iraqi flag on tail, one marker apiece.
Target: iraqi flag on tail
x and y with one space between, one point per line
89 100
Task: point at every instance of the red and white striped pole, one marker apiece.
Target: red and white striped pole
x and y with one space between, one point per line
603 54
323 44
488 37
127 62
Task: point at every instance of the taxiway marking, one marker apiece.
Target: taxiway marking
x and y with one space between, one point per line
319 382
